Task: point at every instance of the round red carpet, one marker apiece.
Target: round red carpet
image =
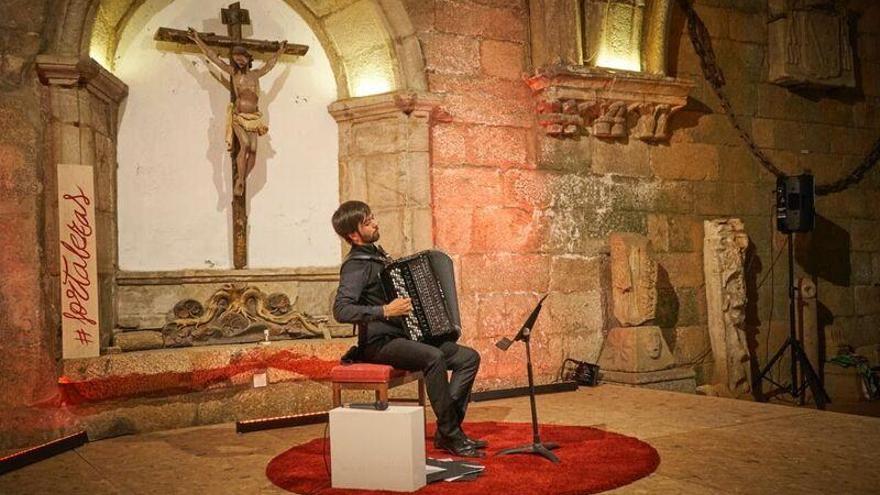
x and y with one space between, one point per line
592 461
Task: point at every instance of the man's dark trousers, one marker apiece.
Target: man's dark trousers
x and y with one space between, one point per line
449 397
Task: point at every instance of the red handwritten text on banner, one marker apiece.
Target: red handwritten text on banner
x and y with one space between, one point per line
79 294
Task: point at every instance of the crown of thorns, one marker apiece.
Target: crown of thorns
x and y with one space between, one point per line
240 50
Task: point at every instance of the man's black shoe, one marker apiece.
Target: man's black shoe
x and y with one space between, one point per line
478 443
456 446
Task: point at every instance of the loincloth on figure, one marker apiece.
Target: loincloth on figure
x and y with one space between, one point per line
250 122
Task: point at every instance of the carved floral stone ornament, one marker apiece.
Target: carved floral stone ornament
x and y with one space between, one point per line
574 101
238 313
724 250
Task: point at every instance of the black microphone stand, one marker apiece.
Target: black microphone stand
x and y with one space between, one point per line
536 447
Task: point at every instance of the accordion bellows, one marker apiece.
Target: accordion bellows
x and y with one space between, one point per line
428 278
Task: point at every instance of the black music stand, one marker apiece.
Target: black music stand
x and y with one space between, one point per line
537 446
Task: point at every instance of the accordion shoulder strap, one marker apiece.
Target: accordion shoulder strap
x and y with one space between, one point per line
365 257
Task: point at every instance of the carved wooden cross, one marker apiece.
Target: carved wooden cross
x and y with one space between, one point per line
234 17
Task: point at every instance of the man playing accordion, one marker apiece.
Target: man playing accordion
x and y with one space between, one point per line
381 338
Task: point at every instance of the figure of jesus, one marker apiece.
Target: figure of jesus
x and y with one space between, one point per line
243 116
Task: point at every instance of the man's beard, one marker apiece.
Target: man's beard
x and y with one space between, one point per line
373 238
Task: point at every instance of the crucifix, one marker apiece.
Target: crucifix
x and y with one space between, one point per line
244 120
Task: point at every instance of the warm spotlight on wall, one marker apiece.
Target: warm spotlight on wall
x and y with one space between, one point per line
102 39
98 54
370 84
621 41
616 62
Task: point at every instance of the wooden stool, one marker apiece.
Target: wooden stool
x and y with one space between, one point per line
376 377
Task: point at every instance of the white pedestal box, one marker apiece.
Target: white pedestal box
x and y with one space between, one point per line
378 450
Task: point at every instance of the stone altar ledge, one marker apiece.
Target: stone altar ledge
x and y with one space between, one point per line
190 369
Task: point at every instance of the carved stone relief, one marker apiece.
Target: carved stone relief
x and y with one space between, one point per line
724 249
239 313
633 279
636 350
809 43
651 124
634 353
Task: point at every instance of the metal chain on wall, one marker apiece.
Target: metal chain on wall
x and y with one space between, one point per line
702 42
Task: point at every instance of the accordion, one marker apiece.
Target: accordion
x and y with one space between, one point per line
427 278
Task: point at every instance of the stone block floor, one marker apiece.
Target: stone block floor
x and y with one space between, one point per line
707 445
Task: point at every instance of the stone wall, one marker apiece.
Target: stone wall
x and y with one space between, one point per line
824 132
524 213
27 351
513 214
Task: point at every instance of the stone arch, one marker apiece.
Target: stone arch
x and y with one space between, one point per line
364 38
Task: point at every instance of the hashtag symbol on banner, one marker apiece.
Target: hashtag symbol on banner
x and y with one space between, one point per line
83 337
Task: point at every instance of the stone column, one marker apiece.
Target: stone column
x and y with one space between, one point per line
83 102
384 160
808 321
724 249
635 353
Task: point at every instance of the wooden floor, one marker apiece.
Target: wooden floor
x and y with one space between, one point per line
707 445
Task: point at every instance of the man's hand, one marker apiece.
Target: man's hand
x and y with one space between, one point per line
192 34
282 47
398 307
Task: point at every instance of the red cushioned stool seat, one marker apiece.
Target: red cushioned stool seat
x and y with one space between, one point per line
364 373
377 377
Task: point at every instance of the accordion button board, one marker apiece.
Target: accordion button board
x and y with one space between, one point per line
414 277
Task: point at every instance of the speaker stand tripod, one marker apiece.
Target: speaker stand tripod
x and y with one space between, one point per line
537 446
808 377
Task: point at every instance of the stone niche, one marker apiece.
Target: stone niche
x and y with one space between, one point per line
601 33
381 137
383 160
600 69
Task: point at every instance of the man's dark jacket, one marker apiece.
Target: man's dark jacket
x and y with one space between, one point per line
360 297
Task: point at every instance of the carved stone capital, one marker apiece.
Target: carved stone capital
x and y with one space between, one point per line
574 100
385 105
55 70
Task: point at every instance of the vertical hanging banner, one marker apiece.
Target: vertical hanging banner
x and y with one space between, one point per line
79 264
